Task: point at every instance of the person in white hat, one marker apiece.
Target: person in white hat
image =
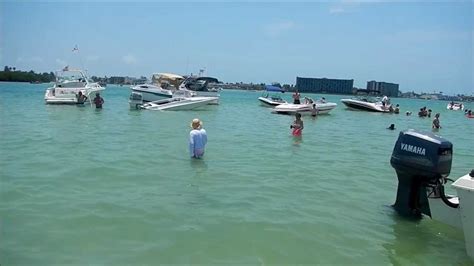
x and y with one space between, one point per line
197 139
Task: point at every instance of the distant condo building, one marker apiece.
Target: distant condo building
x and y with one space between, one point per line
382 88
324 85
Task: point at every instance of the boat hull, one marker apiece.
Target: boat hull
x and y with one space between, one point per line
178 104
152 93
365 106
303 109
269 102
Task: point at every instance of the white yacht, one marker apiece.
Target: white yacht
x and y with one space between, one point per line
162 86
305 109
69 82
367 104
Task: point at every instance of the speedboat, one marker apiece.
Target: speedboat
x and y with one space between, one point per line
68 84
272 99
367 104
162 86
201 87
180 101
455 106
304 109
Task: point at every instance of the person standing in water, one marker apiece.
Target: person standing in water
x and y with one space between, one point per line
197 139
436 124
314 111
296 97
81 98
98 101
297 126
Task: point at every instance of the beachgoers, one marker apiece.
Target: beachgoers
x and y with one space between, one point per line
197 139
297 126
296 97
423 112
81 98
385 101
397 109
314 110
436 124
98 101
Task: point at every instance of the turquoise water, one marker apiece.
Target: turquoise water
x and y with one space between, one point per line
116 186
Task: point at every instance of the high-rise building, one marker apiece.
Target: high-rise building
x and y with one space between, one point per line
382 88
324 85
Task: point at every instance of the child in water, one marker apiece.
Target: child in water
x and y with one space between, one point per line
297 126
436 124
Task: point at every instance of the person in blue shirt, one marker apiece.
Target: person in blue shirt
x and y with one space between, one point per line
197 139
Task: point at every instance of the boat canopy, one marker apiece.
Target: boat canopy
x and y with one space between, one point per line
273 88
167 76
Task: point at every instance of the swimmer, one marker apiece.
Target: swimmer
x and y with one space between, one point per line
297 126
391 127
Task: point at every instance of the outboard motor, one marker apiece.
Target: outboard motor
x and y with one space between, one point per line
422 160
136 100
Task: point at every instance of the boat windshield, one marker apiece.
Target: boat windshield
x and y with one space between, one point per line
367 99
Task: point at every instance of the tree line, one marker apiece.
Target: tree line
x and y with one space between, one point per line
12 74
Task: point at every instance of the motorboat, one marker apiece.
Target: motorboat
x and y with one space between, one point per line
320 107
68 84
270 97
367 104
455 106
422 161
180 101
201 87
162 86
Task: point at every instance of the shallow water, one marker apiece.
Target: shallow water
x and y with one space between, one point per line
117 185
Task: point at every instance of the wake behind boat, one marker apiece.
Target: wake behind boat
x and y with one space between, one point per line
366 104
68 84
270 98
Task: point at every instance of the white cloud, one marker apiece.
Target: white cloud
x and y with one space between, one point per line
129 59
278 28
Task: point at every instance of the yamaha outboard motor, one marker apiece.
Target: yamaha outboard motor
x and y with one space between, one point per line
421 160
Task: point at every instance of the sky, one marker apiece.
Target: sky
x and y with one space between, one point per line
424 46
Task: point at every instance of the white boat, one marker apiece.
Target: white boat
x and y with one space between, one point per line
455 106
367 104
69 82
304 109
180 101
270 98
200 87
162 86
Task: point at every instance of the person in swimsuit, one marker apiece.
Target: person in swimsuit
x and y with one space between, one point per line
436 124
81 98
296 97
98 101
297 126
314 110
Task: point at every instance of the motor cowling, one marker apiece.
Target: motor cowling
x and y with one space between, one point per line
420 159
